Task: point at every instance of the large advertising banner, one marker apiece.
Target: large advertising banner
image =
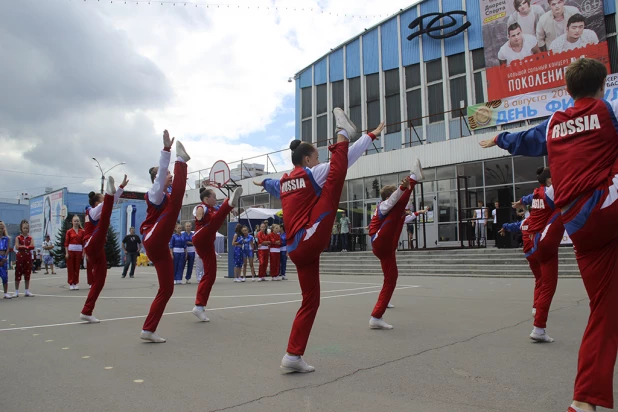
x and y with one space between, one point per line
529 106
47 214
529 43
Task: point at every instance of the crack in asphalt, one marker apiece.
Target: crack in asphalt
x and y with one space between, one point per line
368 368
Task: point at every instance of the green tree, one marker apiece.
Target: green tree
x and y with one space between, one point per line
112 249
58 253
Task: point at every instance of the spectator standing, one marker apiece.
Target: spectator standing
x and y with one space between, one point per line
334 237
344 230
131 246
48 260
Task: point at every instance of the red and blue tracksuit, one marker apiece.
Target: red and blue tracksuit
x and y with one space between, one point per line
204 242
178 245
188 237
275 254
385 229
96 225
542 232
4 259
161 217
263 253
581 144
310 198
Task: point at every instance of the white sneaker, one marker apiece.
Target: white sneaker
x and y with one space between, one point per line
277 278
200 312
379 324
75 287
234 199
261 280
90 319
152 337
111 189
8 296
343 122
533 311
390 306
188 282
242 279
236 280
541 338
28 294
417 170
252 279
16 294
181 152
284 278
71 287
298 365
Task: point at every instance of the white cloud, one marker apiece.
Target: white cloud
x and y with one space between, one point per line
99 79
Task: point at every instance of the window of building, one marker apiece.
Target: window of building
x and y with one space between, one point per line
478 68
321 113
306 113
393 104
525 168
356 113
338 98
435 97
372 187
414 103
473 172
457 84
356 189
498 172
372 83
306 130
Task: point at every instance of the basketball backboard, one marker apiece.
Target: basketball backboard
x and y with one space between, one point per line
219 173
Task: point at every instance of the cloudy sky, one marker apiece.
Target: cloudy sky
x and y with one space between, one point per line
83 79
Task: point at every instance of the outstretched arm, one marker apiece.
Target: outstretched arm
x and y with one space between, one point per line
512 227
532 142
320 172
157 191
95 212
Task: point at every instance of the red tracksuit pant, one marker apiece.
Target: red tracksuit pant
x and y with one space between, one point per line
204 242
384 246
156 243
73 264
305 253
275 263
95 249
263 255
542 254
89 276
592 224
23 266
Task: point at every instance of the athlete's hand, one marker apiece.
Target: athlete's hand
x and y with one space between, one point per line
261 184
378 130
125 181
485 144
405 183
167 142
502 232
517 205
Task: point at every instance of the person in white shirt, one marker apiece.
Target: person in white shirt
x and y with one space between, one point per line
479 224
576 36
526 15
48 260
518 46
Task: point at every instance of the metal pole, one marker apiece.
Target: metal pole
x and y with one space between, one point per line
425 219
461 228
102 182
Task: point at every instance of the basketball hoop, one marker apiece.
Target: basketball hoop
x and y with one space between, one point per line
219 174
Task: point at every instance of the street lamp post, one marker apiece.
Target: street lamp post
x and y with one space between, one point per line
103 173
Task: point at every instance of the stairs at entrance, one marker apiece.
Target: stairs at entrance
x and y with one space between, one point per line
490 262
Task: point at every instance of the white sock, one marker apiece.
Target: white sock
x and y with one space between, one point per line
343 133
27 290
292 357
180 159
372 318
577 409
539 331
413 177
